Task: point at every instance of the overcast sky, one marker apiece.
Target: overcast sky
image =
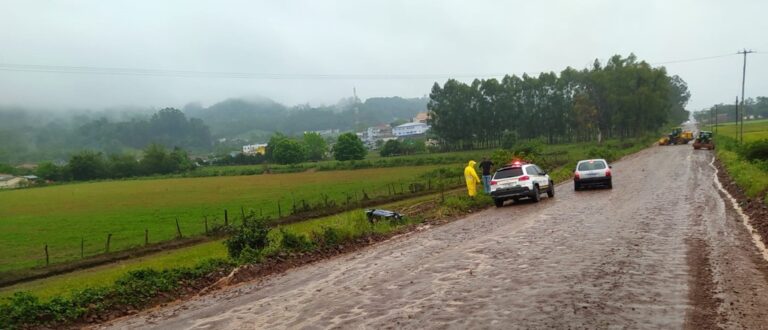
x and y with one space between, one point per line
311 45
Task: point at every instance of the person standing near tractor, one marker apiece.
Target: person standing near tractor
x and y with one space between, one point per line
486 166
471 177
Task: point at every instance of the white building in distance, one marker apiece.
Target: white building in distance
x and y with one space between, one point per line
409 129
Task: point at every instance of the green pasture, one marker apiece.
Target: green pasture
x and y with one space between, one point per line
60 216
753 130
351 224
751 176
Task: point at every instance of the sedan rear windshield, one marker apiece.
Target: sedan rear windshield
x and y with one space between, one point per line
589 166
508 172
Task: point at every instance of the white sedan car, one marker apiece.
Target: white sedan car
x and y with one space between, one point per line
591 173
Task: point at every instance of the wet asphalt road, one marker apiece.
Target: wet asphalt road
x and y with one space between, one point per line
662 249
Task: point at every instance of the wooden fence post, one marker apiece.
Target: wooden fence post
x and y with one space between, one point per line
178 229
226 218
82 247
242 214
442 192
109 239
146 236
279 211
46 255
206 225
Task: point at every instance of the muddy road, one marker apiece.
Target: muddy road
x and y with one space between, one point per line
662 249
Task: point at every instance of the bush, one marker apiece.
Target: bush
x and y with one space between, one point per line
135 289
500 157
462 204
349 147
329 236
254 234
601 152
390 148
250 256
531 148
509 139
294 242
756 150
288 152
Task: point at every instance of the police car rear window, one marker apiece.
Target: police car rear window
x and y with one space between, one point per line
508 172
589 166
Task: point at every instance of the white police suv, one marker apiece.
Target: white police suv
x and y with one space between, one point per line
520 180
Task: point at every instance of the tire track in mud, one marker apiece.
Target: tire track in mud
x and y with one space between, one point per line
738 288
657 251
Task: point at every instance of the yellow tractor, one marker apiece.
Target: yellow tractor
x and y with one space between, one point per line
678 136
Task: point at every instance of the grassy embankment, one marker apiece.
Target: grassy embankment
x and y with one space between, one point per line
750 176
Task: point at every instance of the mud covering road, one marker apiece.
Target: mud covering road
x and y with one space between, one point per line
661 250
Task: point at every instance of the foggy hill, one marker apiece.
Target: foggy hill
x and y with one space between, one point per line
236 117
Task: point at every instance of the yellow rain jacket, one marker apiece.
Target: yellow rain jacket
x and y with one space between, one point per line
471 177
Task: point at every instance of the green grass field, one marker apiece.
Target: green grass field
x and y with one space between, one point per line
748 175
351 223
61 215
753 130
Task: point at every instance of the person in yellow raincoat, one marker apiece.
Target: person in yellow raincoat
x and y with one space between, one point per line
471 177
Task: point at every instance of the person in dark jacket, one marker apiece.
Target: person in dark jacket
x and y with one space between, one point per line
486 166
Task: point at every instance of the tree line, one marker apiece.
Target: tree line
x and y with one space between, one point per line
757 107
168 127
35 136
92 165
623 98
282 149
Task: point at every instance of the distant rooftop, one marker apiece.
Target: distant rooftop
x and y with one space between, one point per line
411 124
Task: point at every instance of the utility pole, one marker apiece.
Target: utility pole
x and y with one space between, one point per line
715 119
736 106
743 79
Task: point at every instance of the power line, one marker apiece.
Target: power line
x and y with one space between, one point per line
142 72
223 74
696 59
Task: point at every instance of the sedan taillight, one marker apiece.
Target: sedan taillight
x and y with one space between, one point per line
608 172
494 182
523 178
576 175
